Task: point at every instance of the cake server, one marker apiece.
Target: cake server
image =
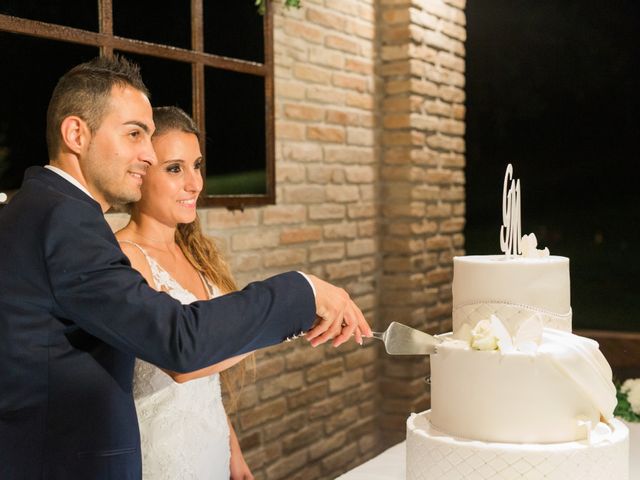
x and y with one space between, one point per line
402 340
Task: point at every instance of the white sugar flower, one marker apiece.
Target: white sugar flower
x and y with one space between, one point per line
482 336
630 384
631 388
492 334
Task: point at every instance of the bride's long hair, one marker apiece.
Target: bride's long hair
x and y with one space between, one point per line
201 251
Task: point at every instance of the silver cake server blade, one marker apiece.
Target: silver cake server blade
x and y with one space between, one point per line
402 340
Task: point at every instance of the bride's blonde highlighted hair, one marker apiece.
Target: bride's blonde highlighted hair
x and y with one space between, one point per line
200 251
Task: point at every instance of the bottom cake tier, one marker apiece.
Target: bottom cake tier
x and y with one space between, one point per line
432 455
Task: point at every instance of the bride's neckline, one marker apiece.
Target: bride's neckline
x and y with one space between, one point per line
208 288
169 242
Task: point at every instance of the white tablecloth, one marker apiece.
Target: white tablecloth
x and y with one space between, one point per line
389 465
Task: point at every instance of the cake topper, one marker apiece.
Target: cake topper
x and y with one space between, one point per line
510 229
511 240
529 247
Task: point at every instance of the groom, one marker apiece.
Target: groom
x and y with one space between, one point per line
74 315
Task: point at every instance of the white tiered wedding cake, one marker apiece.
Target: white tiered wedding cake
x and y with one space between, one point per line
515 395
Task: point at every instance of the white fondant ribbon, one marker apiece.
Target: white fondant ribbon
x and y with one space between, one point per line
582 362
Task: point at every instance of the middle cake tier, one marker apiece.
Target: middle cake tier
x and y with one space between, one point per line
557 394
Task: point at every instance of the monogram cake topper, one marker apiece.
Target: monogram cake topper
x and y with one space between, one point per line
511 226
512 242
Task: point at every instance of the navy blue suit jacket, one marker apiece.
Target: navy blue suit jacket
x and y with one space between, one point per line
73 317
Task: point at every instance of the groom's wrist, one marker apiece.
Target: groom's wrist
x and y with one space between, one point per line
313 288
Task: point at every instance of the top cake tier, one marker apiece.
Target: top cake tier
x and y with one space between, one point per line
512 288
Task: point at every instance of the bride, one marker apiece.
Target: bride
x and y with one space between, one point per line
185 432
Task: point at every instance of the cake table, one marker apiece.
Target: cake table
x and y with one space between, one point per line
389 465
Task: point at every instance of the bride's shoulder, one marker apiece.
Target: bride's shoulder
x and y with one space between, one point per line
137 257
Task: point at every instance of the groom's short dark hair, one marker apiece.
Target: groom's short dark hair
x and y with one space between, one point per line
84 91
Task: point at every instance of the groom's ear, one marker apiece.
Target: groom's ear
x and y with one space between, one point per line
75 134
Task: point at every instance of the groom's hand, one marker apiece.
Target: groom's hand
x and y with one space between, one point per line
339 318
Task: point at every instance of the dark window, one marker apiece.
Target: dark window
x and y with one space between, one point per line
234 31
212 59
24 97
77 14
236 143
167 23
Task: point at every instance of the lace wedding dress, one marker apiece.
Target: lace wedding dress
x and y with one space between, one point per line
183 426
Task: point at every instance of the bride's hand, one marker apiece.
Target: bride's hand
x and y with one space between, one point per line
238 468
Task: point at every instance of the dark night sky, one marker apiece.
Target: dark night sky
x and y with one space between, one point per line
552 87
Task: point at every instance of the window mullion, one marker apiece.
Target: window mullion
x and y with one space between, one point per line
269 110
35 28
105 8
197 76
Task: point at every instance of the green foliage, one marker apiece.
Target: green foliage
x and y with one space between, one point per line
623 409
262 5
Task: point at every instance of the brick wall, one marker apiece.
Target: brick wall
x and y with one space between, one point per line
312 412
370 196
422 185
